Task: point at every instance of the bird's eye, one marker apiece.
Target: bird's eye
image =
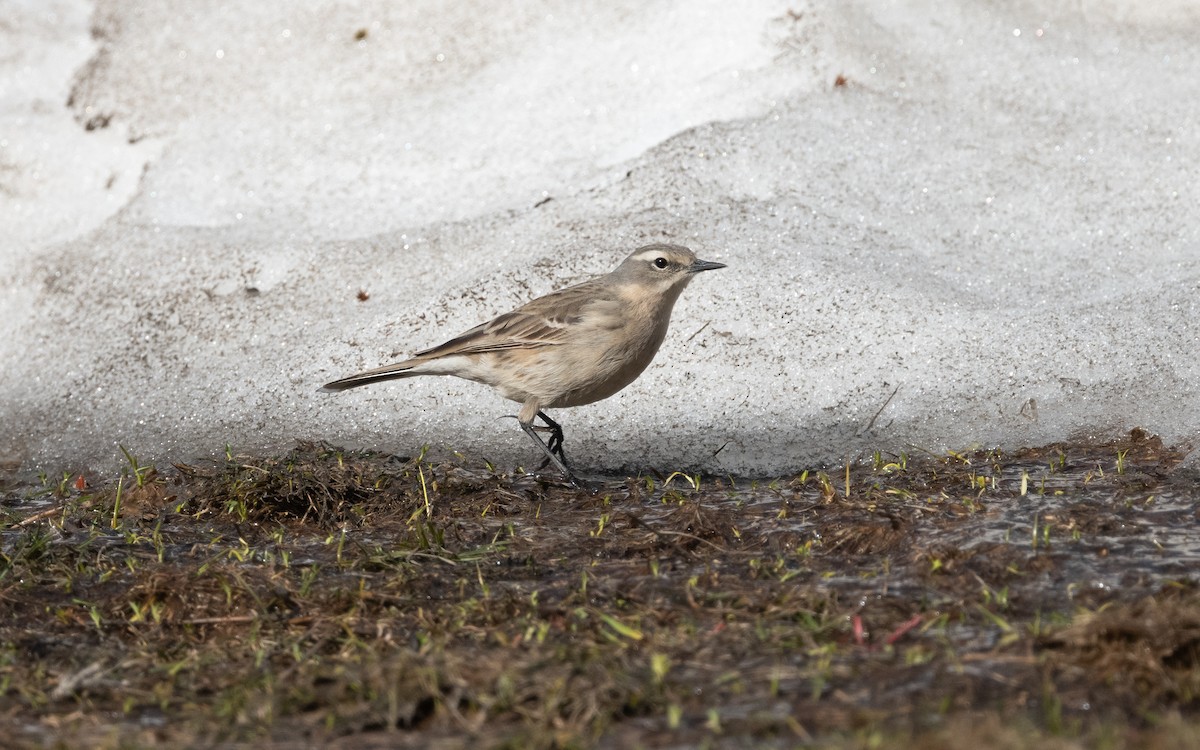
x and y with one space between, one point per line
660 263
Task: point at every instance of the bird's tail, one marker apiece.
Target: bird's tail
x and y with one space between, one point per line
387 372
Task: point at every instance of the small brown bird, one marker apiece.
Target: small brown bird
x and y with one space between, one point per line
569 348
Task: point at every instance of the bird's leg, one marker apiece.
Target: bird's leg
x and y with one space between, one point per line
554 455
555 443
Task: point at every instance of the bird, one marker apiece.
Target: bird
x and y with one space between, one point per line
571 347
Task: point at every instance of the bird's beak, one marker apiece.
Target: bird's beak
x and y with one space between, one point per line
704 265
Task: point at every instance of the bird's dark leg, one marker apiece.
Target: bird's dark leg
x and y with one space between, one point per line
554 452
555 443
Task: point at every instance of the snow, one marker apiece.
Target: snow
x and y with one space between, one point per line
988 236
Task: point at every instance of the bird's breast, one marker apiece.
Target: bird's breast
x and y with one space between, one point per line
610 355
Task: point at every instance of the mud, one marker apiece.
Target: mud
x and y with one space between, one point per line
347 599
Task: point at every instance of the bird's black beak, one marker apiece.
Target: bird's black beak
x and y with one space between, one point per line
704 265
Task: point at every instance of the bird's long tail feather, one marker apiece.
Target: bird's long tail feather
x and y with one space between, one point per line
390 372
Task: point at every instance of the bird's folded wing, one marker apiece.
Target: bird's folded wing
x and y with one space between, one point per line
543 322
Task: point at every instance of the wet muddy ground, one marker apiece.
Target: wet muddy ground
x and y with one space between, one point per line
1046 598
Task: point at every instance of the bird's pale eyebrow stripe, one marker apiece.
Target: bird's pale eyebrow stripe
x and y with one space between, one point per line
649 254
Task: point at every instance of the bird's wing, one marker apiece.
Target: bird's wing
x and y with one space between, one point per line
543 322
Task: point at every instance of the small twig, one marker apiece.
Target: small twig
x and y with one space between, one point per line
68 684
885 404
896 634
37 517
697 333
410 555
221 620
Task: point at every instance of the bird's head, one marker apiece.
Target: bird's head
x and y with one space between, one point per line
662 268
